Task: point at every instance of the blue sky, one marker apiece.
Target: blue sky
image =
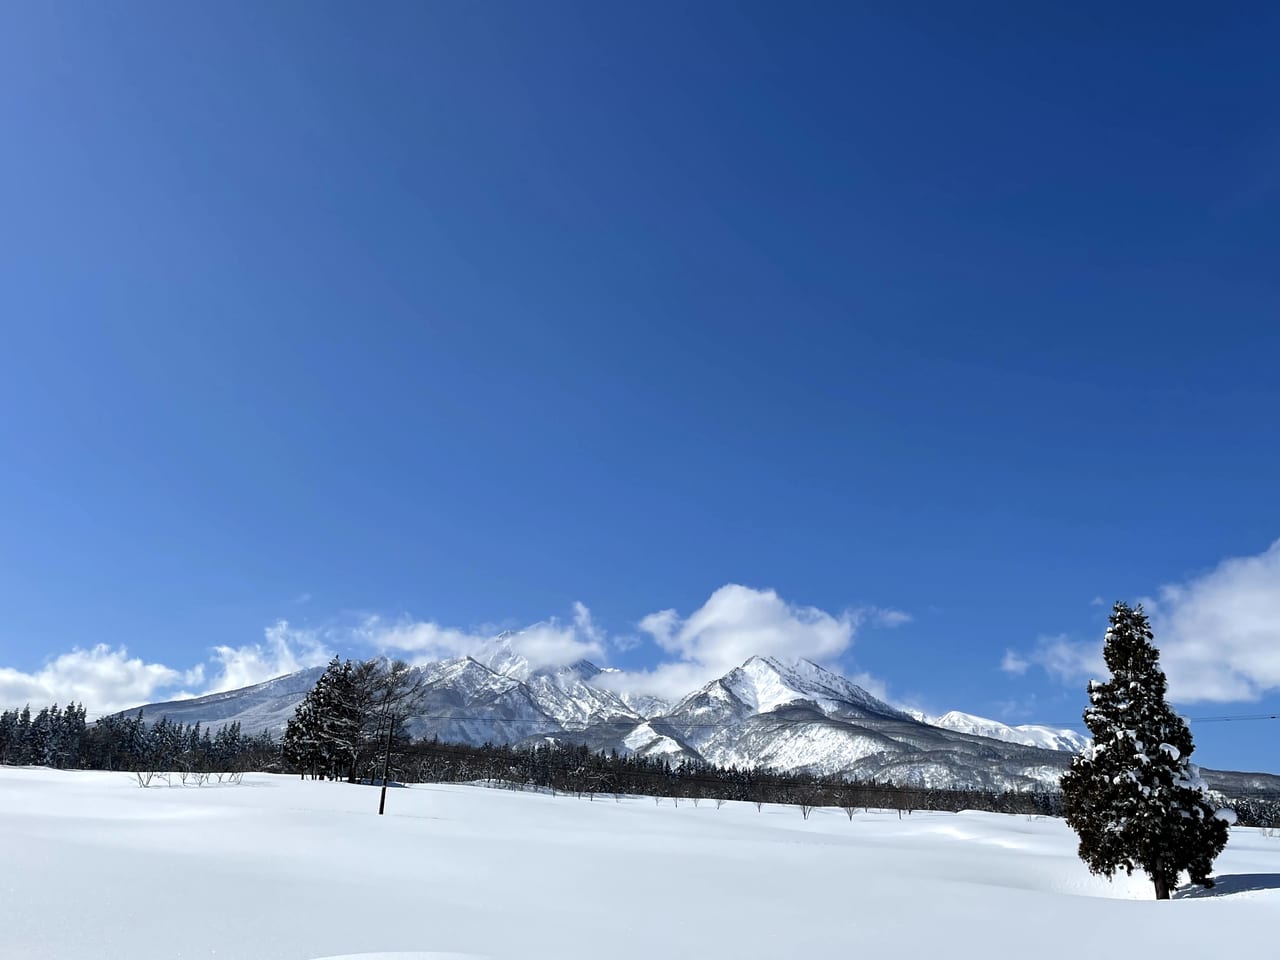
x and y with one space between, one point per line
336 328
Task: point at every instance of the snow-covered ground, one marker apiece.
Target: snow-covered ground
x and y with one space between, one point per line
95 867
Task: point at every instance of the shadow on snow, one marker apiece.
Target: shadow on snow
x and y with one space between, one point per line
1231 884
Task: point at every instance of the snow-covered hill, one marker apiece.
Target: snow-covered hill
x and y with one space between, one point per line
787 716
285 869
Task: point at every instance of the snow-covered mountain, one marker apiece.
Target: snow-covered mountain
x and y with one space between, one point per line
803 717
564 694
1028 734
263 706
787 716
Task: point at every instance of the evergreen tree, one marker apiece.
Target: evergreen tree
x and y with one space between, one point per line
1132 795
134 742
70 736
40 749
341 702
302 745
324 733
8 735
22 736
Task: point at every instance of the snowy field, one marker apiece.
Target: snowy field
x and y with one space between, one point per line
279 869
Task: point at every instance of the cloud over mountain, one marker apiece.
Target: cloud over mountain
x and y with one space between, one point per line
736 622
1218 635
547 643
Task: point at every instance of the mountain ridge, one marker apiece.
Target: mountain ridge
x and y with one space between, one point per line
795 716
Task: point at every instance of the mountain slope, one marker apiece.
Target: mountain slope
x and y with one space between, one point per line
1026 734
786 716
262 706
802 717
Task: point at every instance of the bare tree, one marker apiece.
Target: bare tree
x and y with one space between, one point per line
397 695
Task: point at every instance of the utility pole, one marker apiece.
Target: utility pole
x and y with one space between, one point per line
401 692
386 763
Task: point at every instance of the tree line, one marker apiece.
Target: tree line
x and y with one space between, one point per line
60 737
576 769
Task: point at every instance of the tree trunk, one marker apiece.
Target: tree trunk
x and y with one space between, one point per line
1160 883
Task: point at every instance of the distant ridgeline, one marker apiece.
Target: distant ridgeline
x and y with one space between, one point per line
61 738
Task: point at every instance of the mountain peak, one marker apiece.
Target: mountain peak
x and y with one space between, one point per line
1027 734
502 655
765 683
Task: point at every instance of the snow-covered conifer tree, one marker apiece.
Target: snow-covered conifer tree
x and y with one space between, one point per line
1132 795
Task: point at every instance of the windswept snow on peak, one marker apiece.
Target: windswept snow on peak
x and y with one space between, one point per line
766 683
1027 734
563 692
646 741
567 694
644 705
501 656
466 679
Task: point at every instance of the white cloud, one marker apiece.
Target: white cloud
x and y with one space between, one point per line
626 641
1061 657
423 640
873 685
1014 663
285 649
107 679
1218 635
888 617
548 643
552 643
103 678
585 625
735 624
